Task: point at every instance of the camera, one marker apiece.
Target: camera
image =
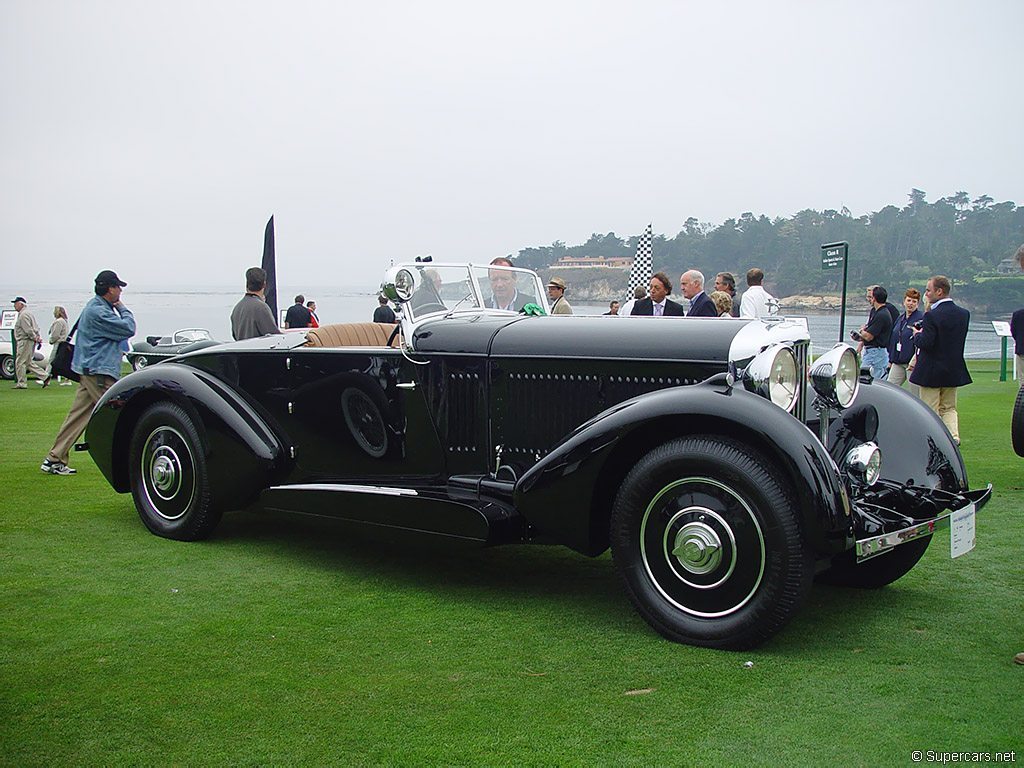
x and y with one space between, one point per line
919 324
855 336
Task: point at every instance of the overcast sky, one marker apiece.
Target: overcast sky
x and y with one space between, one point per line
156 138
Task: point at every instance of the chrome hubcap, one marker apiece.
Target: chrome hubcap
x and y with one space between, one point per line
168 472
698 548
165 472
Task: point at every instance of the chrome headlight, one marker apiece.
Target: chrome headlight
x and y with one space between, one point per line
399 286
864 463
834 376
772 374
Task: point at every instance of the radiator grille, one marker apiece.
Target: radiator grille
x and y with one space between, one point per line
802 350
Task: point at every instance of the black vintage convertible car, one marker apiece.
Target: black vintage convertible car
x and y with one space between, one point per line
722 468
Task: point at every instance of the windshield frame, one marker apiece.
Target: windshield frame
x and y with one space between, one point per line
440 299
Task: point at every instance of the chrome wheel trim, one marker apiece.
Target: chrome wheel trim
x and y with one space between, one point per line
140 363
164 474
682 565
698 546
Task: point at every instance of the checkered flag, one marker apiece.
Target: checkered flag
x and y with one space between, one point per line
640 274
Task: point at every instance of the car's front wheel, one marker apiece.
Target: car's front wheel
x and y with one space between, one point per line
7 366
139 362
170 480
707 539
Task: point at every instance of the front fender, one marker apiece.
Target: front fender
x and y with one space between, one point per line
568 494
917 449
243 452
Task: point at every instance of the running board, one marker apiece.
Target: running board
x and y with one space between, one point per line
417 511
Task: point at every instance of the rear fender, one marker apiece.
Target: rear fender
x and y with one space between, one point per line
243 452
568 495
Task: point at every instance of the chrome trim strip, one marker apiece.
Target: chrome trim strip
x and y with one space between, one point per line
342 488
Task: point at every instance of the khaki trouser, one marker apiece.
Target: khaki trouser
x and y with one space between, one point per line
23 363
942 400
898 374
90 390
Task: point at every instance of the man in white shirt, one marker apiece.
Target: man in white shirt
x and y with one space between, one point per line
756 301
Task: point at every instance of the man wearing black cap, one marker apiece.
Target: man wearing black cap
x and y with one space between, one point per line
104 324
27 337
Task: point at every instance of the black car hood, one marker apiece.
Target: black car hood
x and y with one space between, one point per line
601 337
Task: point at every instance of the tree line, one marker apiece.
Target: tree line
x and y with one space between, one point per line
958 236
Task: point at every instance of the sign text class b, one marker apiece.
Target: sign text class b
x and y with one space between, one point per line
833 255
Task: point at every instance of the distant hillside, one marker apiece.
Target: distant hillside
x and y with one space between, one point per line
958 236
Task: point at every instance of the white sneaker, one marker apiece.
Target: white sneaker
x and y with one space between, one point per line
56 468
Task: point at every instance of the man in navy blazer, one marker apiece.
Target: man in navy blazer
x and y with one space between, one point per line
940 359
658 304
691 283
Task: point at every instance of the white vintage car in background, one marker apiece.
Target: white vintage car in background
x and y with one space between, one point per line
7 355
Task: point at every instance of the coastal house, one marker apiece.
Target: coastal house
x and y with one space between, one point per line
1007 267
590 262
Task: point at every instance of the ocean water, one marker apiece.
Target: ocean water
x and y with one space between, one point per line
160 312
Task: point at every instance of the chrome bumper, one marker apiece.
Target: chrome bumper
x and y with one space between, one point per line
873 546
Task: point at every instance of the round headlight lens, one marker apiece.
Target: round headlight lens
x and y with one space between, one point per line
834 376
783 384
773 375
846 378
404 284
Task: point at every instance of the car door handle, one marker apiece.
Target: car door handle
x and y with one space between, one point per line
406 385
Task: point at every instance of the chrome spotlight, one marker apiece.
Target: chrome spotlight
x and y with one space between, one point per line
834 376
772 374
398 286
864 463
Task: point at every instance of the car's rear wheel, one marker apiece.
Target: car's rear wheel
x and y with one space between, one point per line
707 539
7 366
139 362
169 476
845 571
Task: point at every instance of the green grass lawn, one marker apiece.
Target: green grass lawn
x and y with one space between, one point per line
285 641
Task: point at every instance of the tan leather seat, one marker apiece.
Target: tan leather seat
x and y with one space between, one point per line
351 335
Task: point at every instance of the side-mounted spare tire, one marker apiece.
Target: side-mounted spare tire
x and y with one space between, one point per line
169 476
708 540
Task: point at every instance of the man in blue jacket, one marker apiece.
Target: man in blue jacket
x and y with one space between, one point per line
691 283
901 341
105 323
940 342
